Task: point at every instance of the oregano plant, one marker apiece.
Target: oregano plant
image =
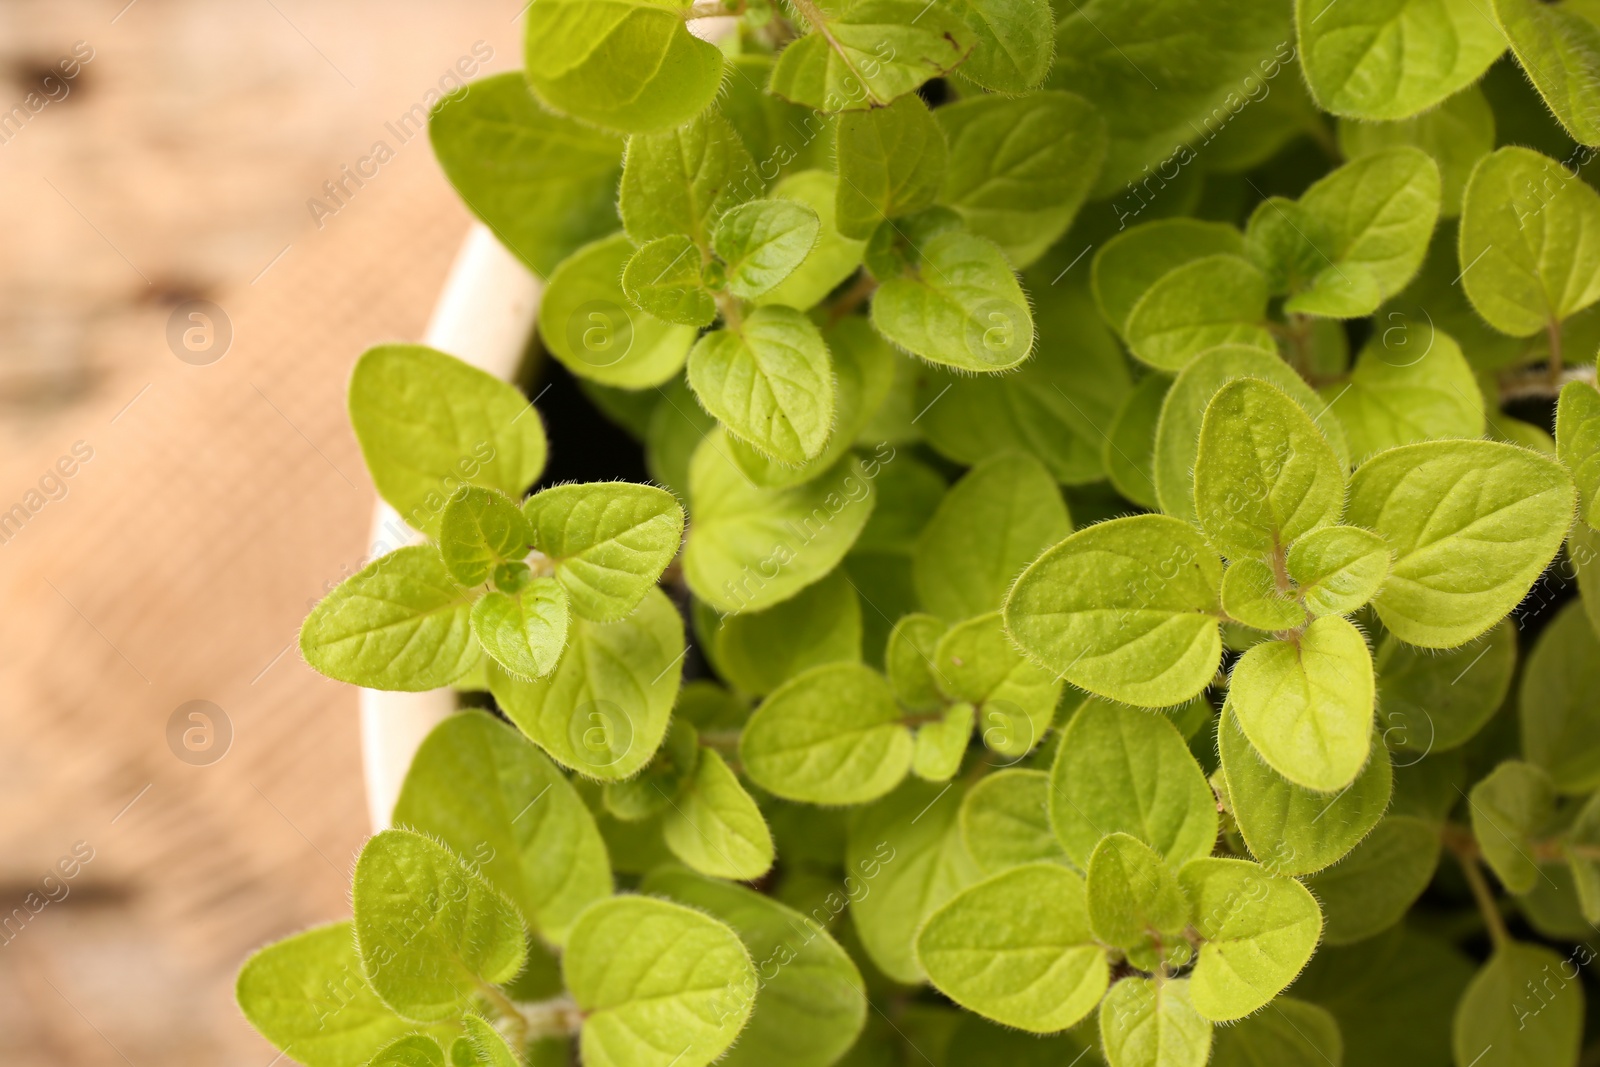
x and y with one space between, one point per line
1117 581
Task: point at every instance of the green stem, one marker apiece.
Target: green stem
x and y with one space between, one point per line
1553 366
1465 849
508 1011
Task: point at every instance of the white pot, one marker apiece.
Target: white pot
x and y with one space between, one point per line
484 316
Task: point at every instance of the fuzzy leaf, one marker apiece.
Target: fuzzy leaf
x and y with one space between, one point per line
610 541
833 258
679 182
480 528
1133 896
1500 1023
1014 43
1250 595
770 381
524 633
1290 1033
715 827
1510 808
867 54
1150 1022
763 242
663 279
890 163
1016 699
1214 300
1435 701
1394 401
1457 134
938 746
1005 821
1379 881
1132 262
1578 444
1556 701
958 305
909 661
1259 930
1555 46
757 651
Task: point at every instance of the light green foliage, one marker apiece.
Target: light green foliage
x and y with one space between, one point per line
429 423
417 1050
833 258
909 852
939 745
1557 702
908 661
523 632
428 928
679 182
1130 263
1398 397
1005 821
1434 701
648 794
957 304
1578 444
989 525
543 183
628 65
402 623
587 321
1259 930
1151 1022
1121 770
811 1004
1524 1007
762 242
1472 523
750 547
1290 1033
1126 609
1457 134
656 981
1018 948
831 735
604 709
867 54
1527 241
480 529
1390 59
891 161
663 279
758 651
1215 300
1019 167
1556 47
715 827
1135 902
769 381
609 542
1250 595
1014 43
1016 699
492 797
1510 808
1288 828
1264 475
487 1045
1373 887
1128 452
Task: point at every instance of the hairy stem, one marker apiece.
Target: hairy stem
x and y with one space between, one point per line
853 297
1553 367
508 1011
1465 849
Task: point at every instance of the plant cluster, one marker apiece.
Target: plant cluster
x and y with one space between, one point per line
1077 645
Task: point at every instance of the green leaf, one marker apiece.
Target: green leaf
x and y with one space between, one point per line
1521 1009
428 424
489 1048
867 54
831 735
1526 243
663 279
1126 609
307 992
648 794
430 930
1398 398
1377 883
604 710
1017 949
402 623
990 524
543 183
1178 431
786 138
524 633
833 258
1250 594
480 529
1457 134
1134 260
589 324
1005 821
938 746
1291 1033
1168 73
610 541
959 305
679 182
811 1005
1435 701
1128 453
1555 47
1150 1022
1306 703
1291 830
626 65
1020 167
1135 902
416 1050
757 651
908 849
1214 300
770 381
1389 60
750 547
1510 808
977 663
1556 701
891 161
1121 770
762 242
658 983
1472 524
1578 444
484 791
1014 43
1264 475
1259 930
715 827
908 661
